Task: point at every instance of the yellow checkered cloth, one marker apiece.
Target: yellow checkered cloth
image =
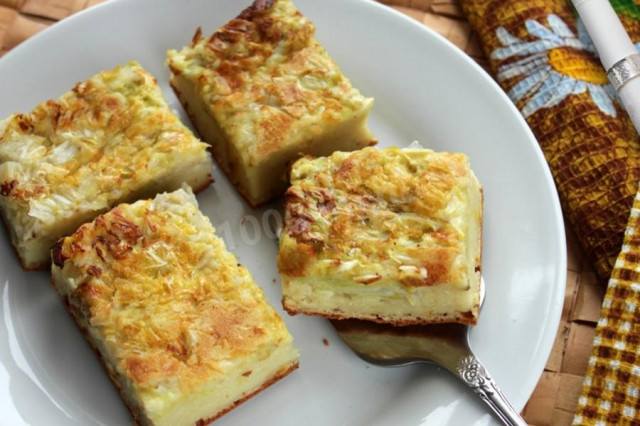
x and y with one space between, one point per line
611 391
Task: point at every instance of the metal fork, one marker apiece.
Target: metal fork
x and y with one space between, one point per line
444 344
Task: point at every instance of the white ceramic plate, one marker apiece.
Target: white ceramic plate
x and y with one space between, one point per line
425 90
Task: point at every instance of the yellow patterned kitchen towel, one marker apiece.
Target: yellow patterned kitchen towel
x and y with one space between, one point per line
611 389
541 54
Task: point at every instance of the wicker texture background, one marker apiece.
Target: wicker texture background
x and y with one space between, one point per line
555 399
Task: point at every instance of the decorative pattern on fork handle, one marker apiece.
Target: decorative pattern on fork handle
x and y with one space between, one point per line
476 377
474 374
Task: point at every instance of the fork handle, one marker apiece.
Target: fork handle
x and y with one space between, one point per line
471 371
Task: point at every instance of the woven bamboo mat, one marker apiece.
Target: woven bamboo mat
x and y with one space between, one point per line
555 397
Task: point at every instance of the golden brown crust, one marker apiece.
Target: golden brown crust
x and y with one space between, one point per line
230 67
56 254
267 90
390 236
138 416
174 309
466 318
375 204
257 8
110 139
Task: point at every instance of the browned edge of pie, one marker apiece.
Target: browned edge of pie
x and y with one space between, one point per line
136 411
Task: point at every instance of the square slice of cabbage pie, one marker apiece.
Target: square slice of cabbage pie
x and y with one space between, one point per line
261 90
110 139
179 324
391 236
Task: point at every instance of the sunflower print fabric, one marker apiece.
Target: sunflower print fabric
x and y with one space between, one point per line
541 54
543 65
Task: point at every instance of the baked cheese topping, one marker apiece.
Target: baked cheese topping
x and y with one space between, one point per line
110 136
377 216
174 308
266 79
